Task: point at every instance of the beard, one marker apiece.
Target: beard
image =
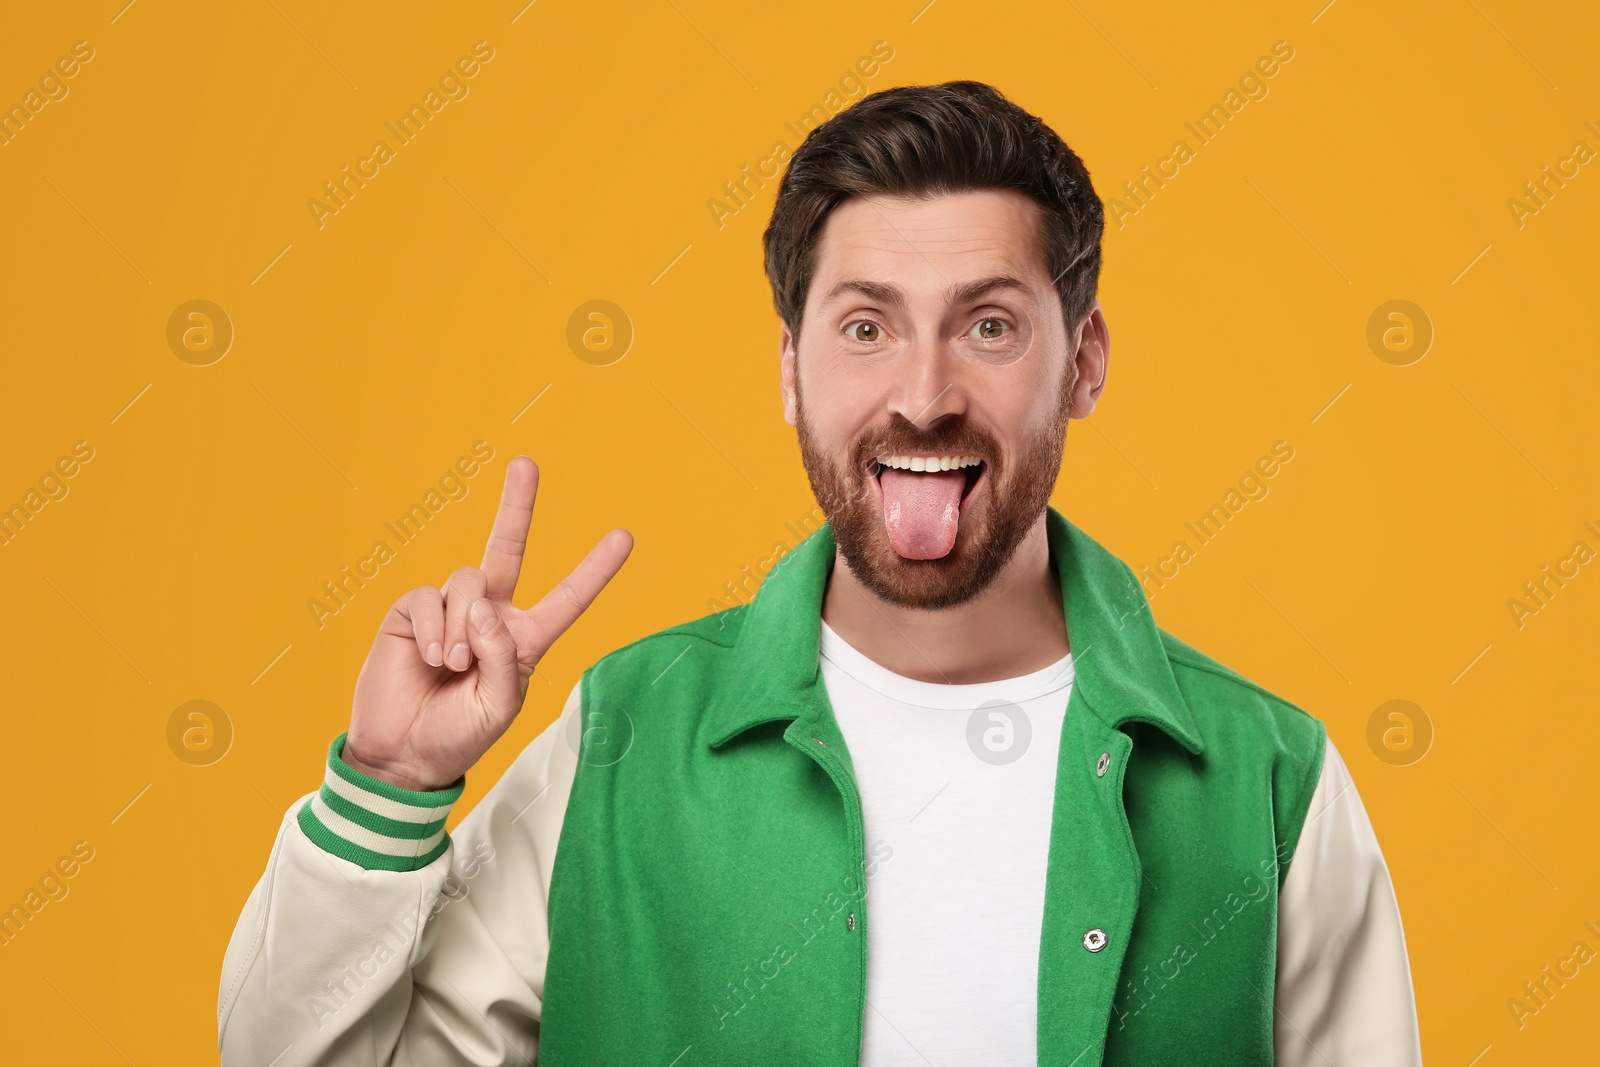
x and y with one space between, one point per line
991 528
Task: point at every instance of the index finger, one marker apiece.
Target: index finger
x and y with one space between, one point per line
502 556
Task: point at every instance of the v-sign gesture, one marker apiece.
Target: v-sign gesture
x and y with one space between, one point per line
450 667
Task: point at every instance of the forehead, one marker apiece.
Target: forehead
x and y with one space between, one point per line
943 239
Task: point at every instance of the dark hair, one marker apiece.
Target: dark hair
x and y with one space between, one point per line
926 140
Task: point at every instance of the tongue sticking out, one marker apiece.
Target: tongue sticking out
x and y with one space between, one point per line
921 510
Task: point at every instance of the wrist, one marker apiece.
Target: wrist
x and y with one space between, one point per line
398 776
374 823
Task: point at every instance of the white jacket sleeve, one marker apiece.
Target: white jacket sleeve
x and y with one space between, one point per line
1343 993
374 938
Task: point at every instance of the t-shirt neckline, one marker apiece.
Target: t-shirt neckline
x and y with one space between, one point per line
939 695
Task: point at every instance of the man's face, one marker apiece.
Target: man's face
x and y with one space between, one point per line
932 331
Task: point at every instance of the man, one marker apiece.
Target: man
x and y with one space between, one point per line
1085 841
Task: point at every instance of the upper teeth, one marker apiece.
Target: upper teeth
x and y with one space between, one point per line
928 463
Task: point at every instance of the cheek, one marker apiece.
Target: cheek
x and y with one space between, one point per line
833 430
837 405
1024 406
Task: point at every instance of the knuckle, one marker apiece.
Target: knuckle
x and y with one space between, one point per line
466 584
507 543
571 595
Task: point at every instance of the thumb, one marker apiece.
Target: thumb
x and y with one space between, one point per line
499 687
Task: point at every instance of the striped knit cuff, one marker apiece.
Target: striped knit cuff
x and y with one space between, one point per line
373 824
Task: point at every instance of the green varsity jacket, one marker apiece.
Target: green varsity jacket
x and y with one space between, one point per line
709 886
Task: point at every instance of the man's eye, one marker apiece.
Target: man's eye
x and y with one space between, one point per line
990 329
865 330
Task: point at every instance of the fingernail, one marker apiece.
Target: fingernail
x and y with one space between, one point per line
435 654
483 615
460 655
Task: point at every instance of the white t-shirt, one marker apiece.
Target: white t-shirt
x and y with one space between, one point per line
957 786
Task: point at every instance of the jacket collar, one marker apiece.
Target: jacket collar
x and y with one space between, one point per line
1120 665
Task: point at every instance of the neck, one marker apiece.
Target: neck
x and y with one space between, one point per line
1013 627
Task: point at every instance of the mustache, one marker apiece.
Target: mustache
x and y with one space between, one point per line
953 438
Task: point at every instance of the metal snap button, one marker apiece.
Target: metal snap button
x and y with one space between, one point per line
1095 939
1100 768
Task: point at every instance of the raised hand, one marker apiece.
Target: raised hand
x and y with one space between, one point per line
449 669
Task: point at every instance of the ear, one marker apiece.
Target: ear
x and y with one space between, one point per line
786 343
1091 356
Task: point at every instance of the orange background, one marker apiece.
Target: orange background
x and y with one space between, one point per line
428 314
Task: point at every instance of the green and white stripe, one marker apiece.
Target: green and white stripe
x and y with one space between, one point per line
373 824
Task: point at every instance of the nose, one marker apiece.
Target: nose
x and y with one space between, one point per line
928 387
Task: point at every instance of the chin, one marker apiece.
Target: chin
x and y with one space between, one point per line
953 579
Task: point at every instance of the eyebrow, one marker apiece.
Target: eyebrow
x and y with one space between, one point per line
892 295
